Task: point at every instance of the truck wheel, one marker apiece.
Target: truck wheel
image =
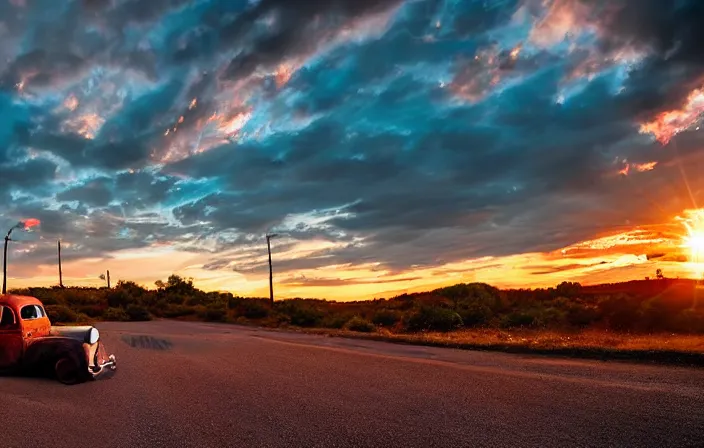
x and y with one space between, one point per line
66 371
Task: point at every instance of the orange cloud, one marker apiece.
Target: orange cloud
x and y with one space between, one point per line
71 102
668 124
639 167
86 125
564 18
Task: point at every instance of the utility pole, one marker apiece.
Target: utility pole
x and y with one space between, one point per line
61 275
108 279
4 264
271 272
26 225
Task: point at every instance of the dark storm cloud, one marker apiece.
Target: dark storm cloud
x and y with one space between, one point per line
96 193
64 41
84 153
143 113
431 143
297 28
10 128
86 231
672 33
27 175
43 69
476 17
123 142
144 186
454 177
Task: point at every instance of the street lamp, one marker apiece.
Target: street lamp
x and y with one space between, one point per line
25 225
271 274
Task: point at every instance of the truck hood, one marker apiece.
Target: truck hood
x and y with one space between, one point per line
87 333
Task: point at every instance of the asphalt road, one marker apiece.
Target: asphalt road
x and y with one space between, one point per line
209 385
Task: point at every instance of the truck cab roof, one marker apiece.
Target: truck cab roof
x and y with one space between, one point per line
16 301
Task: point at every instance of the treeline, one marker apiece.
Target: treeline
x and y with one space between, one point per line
667 305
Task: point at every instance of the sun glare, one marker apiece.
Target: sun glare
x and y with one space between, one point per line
694 240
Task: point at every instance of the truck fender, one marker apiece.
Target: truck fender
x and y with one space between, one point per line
43 353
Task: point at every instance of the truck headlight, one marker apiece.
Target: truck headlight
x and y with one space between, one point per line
93 336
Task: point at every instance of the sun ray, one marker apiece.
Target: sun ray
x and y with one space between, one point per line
694 239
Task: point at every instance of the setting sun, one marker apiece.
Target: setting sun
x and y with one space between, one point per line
694 240
696 243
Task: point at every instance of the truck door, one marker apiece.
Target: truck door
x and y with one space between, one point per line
11 343
35 323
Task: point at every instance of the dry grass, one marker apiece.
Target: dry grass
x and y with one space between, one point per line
586 339
601 344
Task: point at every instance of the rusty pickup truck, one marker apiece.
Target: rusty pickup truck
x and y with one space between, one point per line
29 344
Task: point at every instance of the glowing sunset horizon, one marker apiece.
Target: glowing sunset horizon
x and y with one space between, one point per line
393 145
616 257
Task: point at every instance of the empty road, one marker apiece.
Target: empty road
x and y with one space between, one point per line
210 385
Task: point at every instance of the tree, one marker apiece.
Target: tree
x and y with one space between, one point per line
568 289
176 284
659 274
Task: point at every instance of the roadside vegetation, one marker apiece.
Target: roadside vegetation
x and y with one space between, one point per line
659 314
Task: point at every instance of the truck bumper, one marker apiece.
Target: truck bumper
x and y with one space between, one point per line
103 366
104 370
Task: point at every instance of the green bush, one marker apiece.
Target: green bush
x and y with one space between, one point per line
386 318
277 320
119 298
172 311
654 315
432 319
49 300
83 318
214 313
475 314
175 298
336 321
95 310
568 289
198 299
690 321
233 302
537 316
138 313
60 314
548 317
300 313
359 324
620 312
252 309
582 315
116 315
518 319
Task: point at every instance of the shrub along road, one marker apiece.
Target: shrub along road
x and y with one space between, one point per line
199 385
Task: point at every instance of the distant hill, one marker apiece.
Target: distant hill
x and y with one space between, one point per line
669 289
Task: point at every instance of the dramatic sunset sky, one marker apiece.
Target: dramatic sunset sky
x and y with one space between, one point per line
394 145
